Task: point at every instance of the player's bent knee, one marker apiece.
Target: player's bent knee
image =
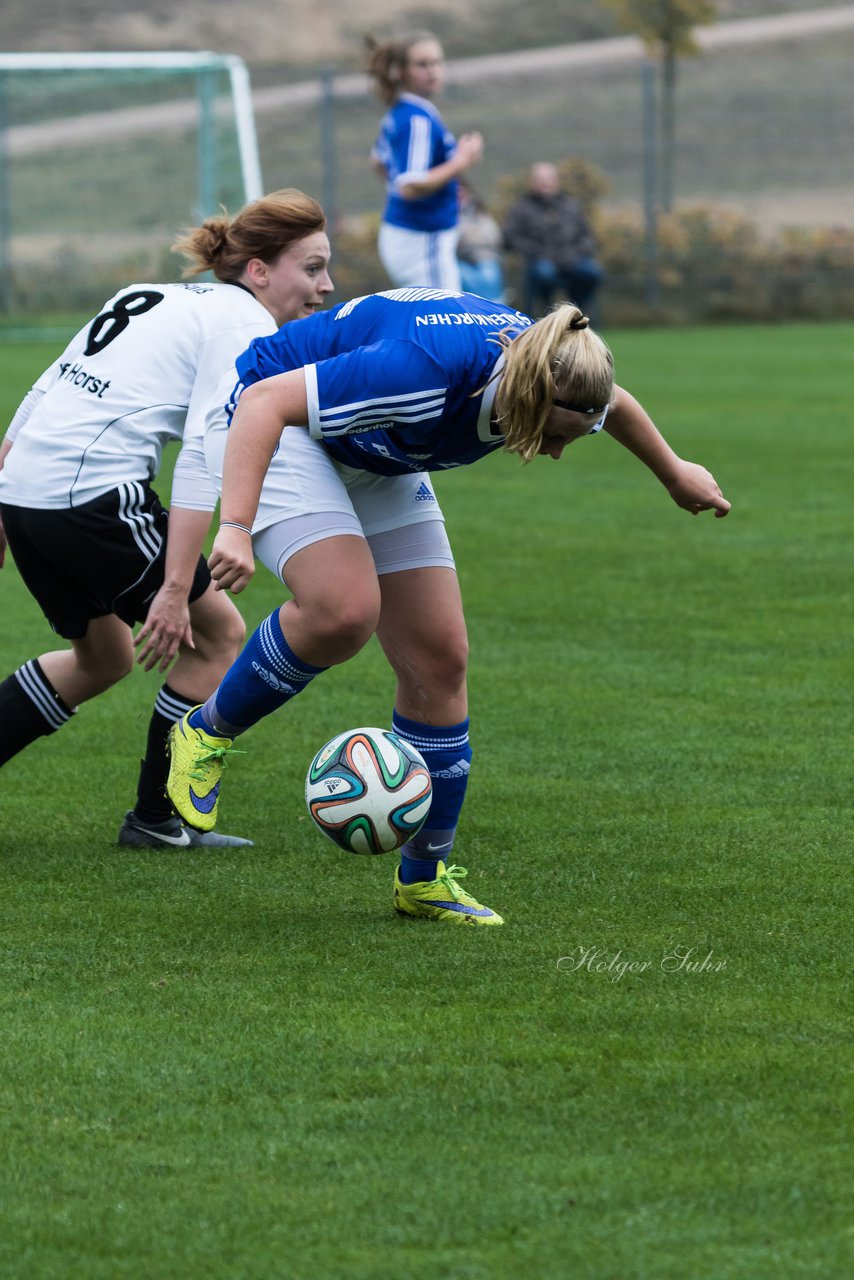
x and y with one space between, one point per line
345 629
350 632
224 641
220 634
102 671
453 675
437 670
448 659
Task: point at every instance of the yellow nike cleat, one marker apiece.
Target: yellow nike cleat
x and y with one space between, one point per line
196 763
441 899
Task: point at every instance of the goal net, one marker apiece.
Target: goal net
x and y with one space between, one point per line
103 158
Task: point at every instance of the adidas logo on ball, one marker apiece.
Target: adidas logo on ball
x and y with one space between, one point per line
368 790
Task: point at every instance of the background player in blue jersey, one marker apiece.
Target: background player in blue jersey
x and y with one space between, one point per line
376 393
88 533
420 161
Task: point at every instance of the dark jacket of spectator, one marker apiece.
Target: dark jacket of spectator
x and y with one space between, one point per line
549 226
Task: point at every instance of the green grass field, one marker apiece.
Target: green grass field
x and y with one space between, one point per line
246 1067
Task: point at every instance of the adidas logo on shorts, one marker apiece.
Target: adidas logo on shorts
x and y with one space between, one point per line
423 493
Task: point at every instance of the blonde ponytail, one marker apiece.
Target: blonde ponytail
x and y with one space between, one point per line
558 356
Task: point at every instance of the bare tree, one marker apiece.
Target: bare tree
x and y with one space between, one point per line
667 29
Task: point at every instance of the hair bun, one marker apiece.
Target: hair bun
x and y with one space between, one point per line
216 229
579 322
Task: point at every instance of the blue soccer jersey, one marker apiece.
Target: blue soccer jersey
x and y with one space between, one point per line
411 140
396 381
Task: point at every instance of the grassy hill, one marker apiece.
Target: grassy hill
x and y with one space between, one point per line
759 136
305 33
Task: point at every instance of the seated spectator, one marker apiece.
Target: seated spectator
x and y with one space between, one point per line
550 231
479 247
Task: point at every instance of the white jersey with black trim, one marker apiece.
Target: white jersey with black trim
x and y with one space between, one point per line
137 376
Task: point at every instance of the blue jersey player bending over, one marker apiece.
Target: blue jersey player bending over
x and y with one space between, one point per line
323 451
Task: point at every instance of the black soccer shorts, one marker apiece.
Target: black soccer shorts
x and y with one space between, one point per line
106 556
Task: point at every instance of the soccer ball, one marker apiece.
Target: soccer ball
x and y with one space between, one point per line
368 790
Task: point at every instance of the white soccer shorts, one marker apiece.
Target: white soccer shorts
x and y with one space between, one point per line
307 496
420 258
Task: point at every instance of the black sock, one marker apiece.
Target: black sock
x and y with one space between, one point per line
152 802
30 707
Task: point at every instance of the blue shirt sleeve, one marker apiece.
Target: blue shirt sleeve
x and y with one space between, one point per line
414 148
411 142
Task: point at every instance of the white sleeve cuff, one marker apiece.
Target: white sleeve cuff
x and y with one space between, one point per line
192 485
313 401
411 175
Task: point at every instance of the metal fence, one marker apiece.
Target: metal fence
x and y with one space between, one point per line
103 156
765 124
763 132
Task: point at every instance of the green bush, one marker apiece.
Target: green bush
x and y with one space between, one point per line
706 262
711 262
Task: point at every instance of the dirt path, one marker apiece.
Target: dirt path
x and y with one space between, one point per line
83 130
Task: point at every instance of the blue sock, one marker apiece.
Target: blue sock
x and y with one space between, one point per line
448 754
265 676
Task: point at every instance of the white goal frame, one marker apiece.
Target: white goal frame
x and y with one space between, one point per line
159 117
234 67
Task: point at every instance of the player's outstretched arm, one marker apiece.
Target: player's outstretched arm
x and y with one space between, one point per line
263 410
690 485
468 151
167 625
695 489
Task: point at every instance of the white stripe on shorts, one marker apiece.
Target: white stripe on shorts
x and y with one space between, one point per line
139 521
